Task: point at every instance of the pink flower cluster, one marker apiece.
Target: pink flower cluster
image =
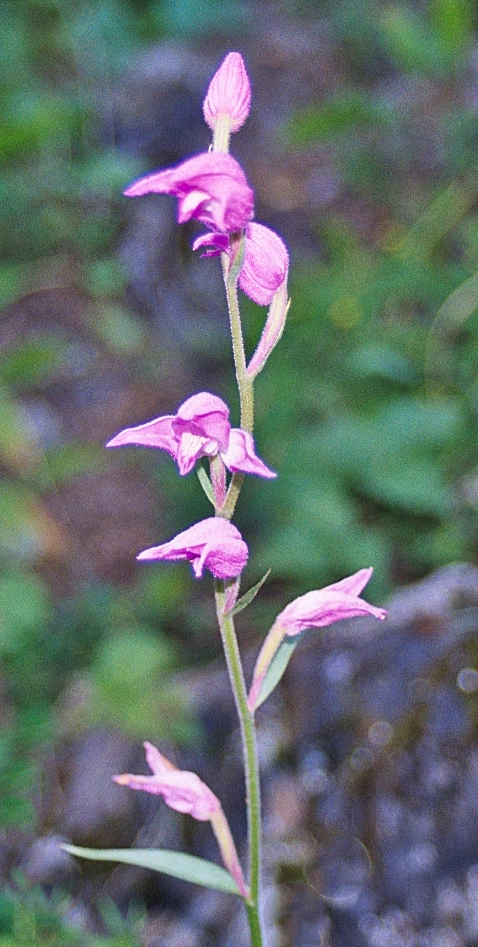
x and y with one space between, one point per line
212 188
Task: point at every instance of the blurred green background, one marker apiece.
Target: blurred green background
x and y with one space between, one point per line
367 409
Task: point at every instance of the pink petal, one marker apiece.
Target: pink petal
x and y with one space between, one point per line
180 789
266 264
157 433
211 187
216 242
206 415
213 544
229 93
241 456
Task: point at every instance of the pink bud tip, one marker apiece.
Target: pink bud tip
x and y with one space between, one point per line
229 93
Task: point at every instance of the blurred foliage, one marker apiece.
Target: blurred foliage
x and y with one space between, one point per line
367 409
28 918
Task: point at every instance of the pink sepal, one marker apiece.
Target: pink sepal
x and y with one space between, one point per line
240 455
211 187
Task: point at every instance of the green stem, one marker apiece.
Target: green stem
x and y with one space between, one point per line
251 764
244 383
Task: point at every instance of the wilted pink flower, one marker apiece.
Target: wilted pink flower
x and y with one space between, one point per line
185 792
229 94
200 428
313 610
211 187
266 261
214 544
180 789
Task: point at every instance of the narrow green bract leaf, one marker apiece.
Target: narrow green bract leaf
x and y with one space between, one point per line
277 667
205 483
248 596
187 867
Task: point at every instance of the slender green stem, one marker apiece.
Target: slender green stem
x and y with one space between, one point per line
251 764
244 383
232 495
245 386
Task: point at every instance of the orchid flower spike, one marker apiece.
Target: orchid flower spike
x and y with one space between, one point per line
200 428
211 187
185 792
313 610
214 544
229 94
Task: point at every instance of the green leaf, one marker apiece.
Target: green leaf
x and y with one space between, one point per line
277 667
187 867
248 596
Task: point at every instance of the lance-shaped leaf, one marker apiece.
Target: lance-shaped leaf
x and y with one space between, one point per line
248 596
177 864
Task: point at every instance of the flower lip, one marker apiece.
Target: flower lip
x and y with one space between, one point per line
211 187
229 93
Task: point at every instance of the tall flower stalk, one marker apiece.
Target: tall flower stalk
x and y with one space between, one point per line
212 188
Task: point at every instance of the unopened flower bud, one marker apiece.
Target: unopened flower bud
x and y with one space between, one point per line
229 94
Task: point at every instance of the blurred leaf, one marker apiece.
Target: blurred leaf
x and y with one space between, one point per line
453 22
445 211
192 17
343 113
31 362
123 333
131 688
457 308
24 607
412 43
18 448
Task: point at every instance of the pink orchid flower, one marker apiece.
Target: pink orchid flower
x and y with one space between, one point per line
229 94
185 792
266 261
313 610
332 603
214 544
200 428
211 187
